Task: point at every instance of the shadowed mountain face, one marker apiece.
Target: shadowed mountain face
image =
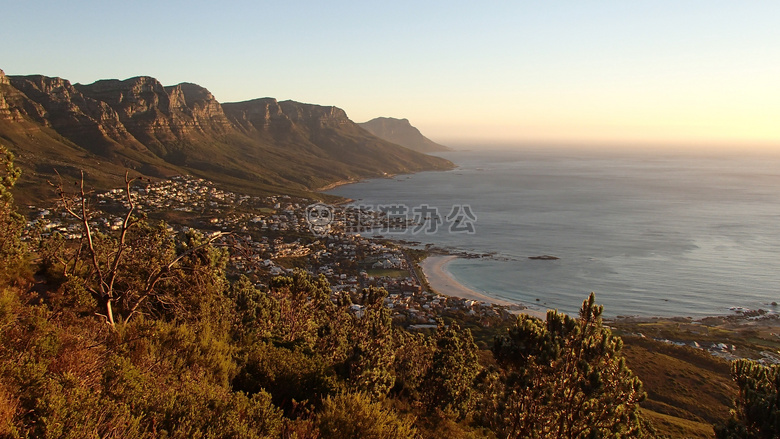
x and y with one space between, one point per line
262 145
401 132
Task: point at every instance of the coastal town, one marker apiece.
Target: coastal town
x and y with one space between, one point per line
275 235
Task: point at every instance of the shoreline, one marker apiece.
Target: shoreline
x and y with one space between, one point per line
336 184
443 282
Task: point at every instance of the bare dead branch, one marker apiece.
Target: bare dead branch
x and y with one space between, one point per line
155 277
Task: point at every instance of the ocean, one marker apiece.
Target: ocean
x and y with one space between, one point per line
651 233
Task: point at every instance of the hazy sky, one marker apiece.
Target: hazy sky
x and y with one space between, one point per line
624 71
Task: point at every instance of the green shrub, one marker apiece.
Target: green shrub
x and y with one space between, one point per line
356 416
14 260
290 375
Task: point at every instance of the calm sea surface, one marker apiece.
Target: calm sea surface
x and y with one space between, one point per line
652 234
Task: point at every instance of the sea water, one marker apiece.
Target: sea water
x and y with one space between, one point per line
651 233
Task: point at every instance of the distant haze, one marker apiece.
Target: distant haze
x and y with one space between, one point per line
401 132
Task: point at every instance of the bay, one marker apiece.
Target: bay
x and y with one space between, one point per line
651 233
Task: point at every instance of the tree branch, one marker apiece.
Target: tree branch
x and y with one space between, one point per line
155 277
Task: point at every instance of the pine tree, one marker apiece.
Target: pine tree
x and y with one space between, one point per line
757 413
372 350
448 385
563 378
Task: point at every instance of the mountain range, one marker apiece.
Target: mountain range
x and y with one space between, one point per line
402 132
257 146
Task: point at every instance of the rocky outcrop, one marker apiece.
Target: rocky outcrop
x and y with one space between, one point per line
165 119
401 132
143 107
14 105
204 108
257 115
267 113
81 119
5 111
544 258
315 116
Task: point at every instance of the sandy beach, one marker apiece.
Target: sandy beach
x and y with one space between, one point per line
435 269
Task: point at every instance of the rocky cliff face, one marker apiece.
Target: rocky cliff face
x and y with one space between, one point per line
257 115
142 106
204 108
5 112
165 119
79 118
14 104
314 116
267 113
140 123
401 132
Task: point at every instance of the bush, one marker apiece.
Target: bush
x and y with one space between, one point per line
356 416
14 264
291 376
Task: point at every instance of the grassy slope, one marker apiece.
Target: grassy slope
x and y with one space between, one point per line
41 151
687 385
674 427
681 381
232 162
689 389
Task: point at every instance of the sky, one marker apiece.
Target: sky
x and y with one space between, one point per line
512 72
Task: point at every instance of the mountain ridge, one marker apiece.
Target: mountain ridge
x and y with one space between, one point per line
401 132
138 124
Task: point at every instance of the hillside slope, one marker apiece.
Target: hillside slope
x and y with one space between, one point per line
137 124
401 132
